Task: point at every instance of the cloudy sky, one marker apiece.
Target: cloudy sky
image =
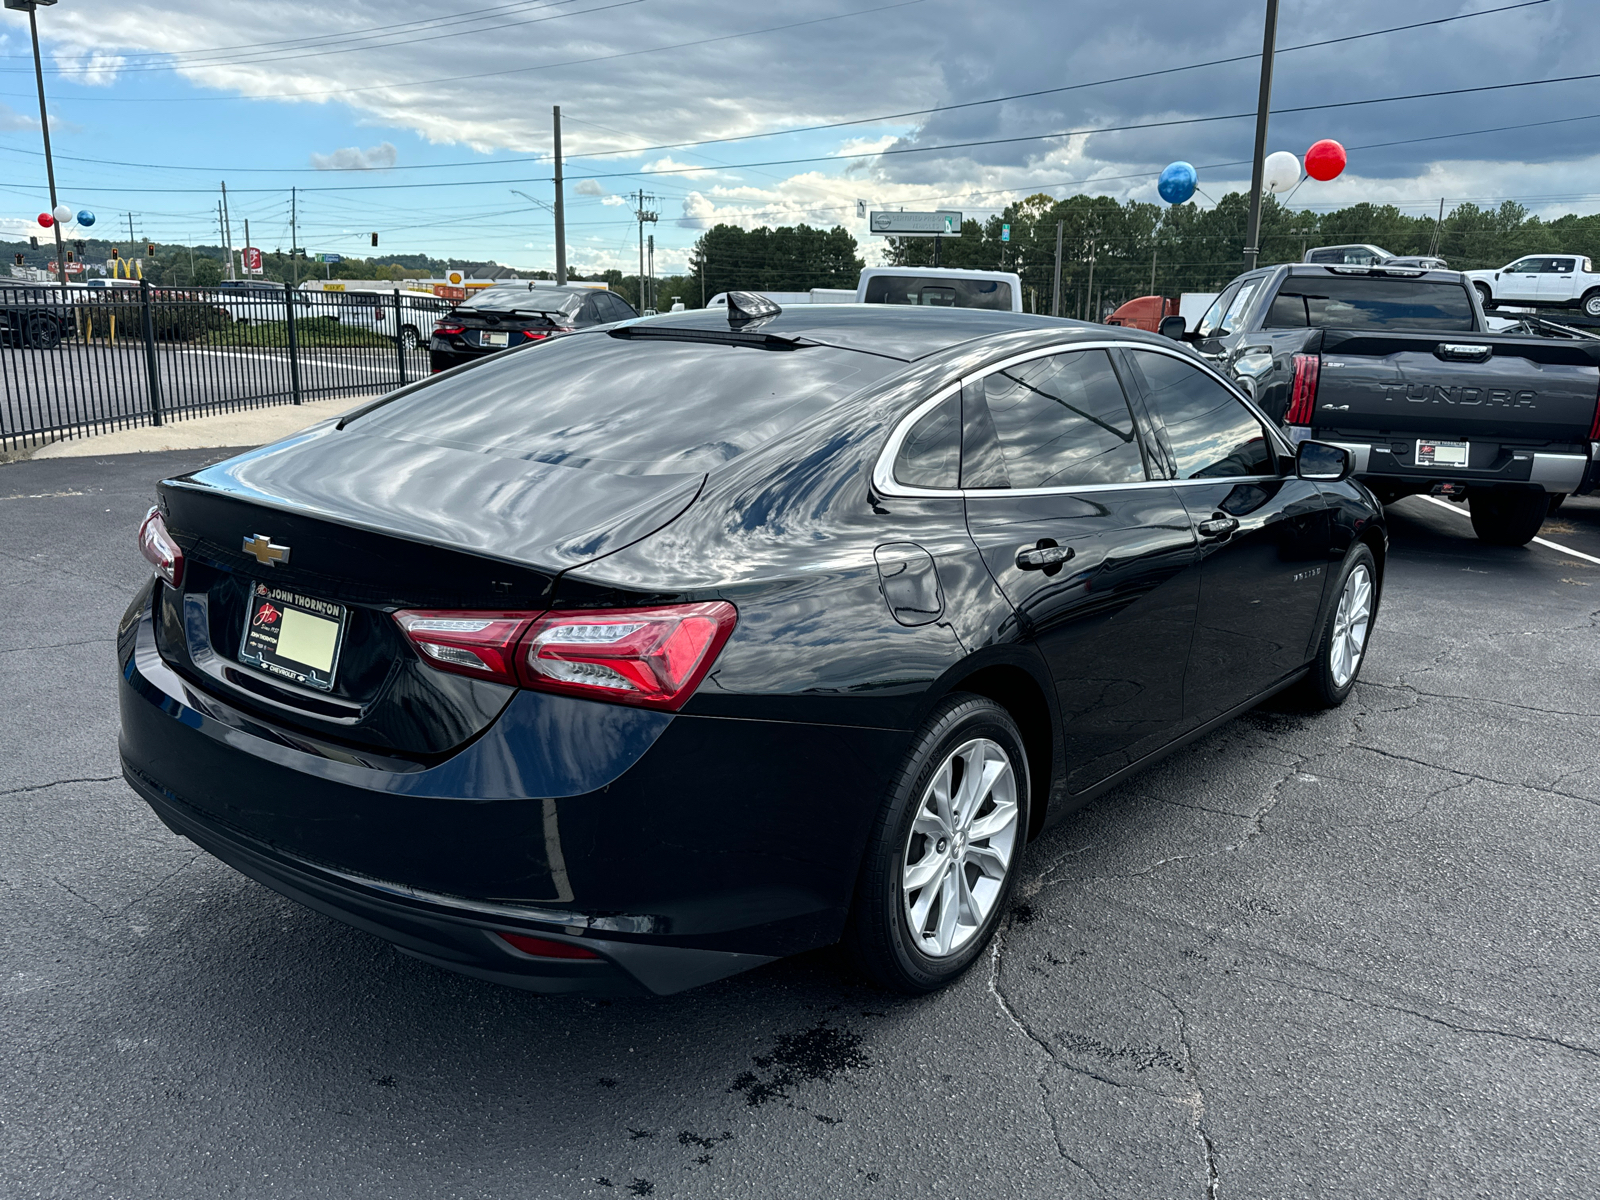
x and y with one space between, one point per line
423 123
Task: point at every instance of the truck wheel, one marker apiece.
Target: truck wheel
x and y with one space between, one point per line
1484 296
1507 517
1591 304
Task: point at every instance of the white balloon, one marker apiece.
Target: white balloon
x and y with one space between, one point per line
63 214
1280 172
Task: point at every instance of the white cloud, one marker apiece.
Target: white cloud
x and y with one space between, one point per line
373 158
614 201
589 187
12 120
91 68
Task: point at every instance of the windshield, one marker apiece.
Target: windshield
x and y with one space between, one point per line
625 407
1373 303
951 292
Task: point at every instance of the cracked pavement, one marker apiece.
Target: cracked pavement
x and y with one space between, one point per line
1341 954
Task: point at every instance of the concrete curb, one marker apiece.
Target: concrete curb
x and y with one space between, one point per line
246 427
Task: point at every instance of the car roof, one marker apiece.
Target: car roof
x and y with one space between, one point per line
902 331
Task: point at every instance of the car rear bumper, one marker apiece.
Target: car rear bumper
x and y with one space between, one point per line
679 848
1387 464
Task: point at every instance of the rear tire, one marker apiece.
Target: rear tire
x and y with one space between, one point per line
1346 630
1484 296
409 339
1507 517
1591 303
955 819
41 332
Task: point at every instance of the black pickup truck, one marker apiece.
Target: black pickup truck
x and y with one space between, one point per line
1397 366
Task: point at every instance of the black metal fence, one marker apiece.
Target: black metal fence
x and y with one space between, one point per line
80 359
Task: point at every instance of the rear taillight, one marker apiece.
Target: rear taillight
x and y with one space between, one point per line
445 327
1303 393
159 548
547 947
480 644
649 657
652 657
534 335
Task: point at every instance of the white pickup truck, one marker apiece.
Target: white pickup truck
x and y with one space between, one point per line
1543 281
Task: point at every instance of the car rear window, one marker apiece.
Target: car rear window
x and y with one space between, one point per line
625 407
953 292
1373 302
525 300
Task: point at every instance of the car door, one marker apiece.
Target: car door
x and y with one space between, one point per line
1093 550
1519 281
1263 533
1556 281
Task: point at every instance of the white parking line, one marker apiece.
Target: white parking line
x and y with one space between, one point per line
1445 504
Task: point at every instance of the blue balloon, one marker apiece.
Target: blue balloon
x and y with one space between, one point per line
1177 182
85 217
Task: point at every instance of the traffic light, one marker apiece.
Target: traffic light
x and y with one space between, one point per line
71 257
116 253
35 242
22 260
150 250
374 239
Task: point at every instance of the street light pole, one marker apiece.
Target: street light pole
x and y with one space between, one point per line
44 125
1269 40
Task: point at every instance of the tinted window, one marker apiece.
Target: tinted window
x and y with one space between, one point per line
614 308
942 293
1213 315
1061 421
1211 432
930 456
1561 266
516 299
1380 302
625 407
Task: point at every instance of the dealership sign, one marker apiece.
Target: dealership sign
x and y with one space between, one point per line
943 223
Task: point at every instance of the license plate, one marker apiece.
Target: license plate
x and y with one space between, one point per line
493 339
1441 454
292 637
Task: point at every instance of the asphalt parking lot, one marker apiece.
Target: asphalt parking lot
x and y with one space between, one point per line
1344 954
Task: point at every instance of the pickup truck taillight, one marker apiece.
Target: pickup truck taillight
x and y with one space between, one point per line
1303 392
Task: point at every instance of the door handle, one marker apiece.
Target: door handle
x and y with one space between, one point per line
1218 526
1042 558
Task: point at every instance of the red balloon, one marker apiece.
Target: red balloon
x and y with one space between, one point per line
1325 160
46 220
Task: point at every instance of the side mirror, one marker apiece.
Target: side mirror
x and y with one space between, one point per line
1172 327
1321 462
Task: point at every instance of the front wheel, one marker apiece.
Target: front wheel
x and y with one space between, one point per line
1507 517
942 860
409 339
1484 296
1342 648
1591 304
41 332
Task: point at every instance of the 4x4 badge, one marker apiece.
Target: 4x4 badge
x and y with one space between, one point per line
268 553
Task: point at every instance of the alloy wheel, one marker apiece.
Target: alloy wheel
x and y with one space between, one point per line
1350 626
960 847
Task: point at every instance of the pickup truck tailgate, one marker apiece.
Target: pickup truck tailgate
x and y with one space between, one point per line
1474 385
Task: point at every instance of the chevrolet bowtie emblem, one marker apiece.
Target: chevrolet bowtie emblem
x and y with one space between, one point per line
267 552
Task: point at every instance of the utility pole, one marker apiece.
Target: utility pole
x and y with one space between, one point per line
561 209
1055 292
1152 271
643 214
651 244
1438 230
1088 296
1269 41
244 267
294 237
227 231
133 249
44 126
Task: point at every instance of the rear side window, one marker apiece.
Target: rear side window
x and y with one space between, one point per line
930 456
594 402
953 292
1375 302
1211 433
1060 421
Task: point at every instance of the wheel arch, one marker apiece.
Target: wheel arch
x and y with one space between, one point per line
1017 690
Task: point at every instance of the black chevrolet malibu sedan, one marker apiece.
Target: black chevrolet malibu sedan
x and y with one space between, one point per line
643 655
